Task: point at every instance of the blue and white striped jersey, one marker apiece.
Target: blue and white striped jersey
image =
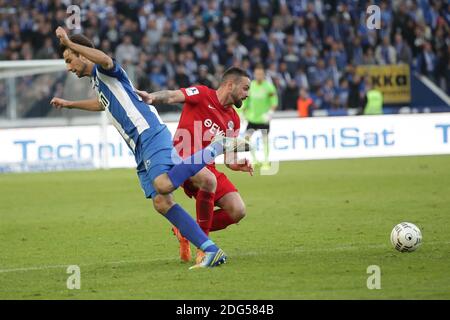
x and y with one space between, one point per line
128 113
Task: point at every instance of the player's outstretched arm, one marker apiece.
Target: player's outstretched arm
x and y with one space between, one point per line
162 97
88 105
94 55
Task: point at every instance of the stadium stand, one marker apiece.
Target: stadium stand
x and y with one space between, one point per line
312 45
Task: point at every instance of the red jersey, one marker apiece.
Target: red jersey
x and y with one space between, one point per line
202 118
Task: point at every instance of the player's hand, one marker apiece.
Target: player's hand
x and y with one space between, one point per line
146 97
59 103
62 36
245 167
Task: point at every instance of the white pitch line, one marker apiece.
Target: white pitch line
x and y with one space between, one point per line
33 268
254 253
83 265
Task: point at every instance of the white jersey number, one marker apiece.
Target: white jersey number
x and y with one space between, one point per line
103 100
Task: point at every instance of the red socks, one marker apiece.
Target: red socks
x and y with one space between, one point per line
205 208
221 220
207 218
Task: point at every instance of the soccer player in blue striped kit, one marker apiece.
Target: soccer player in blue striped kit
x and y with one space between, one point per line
159 168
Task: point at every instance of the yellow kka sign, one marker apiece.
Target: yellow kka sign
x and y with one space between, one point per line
392 80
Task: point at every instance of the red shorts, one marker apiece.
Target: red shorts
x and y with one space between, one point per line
224 185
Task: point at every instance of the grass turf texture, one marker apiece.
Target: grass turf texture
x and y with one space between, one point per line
311 231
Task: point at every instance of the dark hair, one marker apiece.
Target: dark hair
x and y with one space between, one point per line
78 39
233 73
259 66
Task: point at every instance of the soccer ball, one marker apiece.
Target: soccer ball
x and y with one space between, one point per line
406 237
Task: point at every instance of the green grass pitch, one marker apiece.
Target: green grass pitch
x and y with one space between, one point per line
311 232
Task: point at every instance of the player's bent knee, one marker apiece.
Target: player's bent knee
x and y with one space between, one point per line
205 180
163 185
238 212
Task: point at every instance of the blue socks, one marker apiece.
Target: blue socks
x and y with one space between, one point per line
193 164
190 229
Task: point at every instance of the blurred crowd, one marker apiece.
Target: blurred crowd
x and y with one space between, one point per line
306 46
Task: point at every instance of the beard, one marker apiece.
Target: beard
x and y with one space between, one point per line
81 75
238 101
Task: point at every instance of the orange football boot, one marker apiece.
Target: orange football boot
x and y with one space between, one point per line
185 247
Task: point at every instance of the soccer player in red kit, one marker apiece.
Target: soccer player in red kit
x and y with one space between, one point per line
207 113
